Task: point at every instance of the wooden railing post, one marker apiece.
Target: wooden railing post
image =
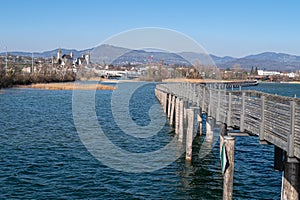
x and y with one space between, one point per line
242 116
291 136
195 102
209 130
209 103
262 122
229 109
203 98
218 106
177 113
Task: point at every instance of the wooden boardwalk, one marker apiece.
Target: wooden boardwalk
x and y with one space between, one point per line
274 119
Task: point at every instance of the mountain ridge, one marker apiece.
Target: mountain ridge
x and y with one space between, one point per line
264 60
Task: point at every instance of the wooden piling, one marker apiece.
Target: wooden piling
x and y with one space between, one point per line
223 133
209 131
169 105
196 122
278 158
181 121
199 118
259 121
229 170
190 132
165 102
177 112
172 110
291 180
185 107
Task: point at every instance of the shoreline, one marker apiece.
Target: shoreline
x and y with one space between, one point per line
290 82
100 86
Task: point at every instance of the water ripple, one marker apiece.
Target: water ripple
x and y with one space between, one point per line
41 156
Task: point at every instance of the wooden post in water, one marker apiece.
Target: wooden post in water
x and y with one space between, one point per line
181 121
199 117
291 174
169 105
291 180
278 158
165 102
209 130
186 105
172 110
229 170
177 113
190 132
223 133
196 122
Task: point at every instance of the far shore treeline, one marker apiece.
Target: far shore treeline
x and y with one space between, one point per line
12 78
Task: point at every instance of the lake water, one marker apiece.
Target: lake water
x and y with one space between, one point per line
42 156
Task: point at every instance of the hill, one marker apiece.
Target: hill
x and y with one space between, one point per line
119 55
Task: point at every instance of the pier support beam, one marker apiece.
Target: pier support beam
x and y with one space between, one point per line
291 180
229 170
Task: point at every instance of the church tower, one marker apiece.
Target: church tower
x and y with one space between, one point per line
87 58
59 56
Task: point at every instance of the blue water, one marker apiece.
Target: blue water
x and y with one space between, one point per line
284 89
42 157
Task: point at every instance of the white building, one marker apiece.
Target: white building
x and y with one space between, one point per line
290 75
267 73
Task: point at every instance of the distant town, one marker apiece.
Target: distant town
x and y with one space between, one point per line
22 70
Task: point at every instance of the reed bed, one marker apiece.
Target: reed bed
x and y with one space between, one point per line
69 86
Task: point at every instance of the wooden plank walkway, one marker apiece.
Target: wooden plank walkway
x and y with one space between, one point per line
274 119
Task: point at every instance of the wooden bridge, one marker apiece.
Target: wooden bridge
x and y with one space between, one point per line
274 119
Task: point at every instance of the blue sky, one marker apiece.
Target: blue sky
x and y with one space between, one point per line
234 28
